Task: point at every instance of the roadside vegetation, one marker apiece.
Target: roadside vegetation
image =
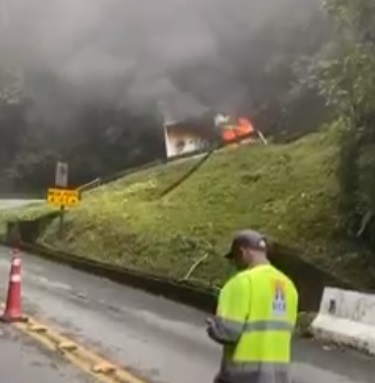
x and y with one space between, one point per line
289 191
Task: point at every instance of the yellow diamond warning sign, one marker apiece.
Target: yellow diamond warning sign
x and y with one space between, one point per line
63 197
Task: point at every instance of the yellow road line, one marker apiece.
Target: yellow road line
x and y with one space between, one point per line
102 369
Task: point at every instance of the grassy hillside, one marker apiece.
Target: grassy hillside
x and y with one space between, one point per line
288 191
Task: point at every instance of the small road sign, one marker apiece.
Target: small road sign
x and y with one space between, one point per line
61 175
63 197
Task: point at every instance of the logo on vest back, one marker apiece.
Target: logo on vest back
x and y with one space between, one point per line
279 300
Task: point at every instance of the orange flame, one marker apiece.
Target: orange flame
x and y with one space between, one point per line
242 129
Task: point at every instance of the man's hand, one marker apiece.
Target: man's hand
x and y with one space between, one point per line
214 332
210 322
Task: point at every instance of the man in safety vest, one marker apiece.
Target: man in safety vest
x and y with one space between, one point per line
255 316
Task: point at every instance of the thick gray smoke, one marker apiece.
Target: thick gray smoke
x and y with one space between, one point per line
131 49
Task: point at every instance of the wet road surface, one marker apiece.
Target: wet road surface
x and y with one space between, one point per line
22 361
158 339
15 203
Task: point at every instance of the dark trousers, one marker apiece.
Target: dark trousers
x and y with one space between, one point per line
279 377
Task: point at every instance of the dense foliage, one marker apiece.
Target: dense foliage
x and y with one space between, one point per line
347 80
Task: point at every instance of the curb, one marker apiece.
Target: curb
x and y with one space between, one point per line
309 278
200 298
92 363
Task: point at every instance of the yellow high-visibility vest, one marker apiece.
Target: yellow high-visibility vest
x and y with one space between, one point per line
255 319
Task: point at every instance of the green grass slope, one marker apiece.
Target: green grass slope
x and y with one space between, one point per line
287 191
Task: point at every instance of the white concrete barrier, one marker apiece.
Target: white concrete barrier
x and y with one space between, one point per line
346 318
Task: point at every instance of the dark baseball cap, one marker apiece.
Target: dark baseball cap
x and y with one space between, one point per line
249 239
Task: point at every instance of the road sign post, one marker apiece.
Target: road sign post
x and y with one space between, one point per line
61 181
61 221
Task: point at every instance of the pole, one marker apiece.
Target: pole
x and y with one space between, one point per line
61 181
61 221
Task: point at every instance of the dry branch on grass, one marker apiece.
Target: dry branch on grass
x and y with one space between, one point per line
193 267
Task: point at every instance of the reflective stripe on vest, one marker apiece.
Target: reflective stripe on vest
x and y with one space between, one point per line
230 330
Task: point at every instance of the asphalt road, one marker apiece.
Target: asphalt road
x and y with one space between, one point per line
22 361
158 339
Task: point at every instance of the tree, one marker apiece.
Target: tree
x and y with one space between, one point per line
347 80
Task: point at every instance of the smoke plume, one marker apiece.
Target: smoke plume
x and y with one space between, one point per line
133 50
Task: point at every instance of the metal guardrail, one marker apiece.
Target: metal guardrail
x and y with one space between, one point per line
114 177
123 173
89 185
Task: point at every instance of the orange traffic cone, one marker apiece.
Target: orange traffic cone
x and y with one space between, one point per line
13 307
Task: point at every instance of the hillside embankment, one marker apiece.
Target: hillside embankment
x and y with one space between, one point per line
288 191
